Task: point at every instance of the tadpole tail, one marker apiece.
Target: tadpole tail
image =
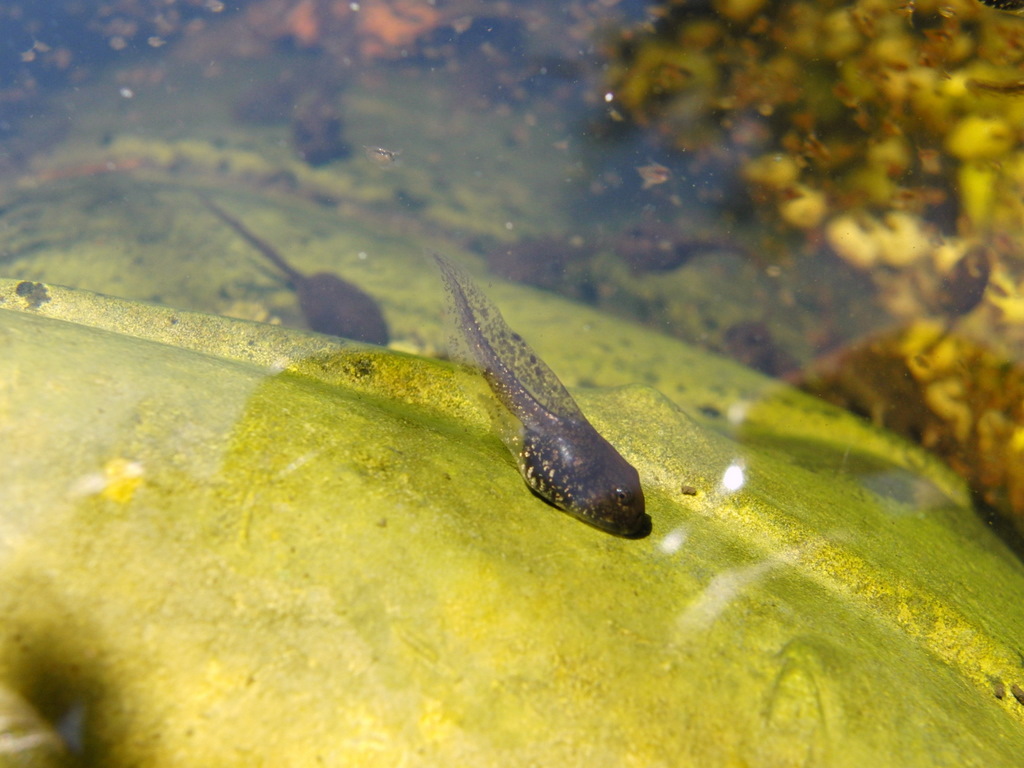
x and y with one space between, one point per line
261 245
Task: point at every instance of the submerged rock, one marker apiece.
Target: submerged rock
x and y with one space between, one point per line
224 542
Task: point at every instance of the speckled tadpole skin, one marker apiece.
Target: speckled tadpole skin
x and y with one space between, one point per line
1010 6
560 455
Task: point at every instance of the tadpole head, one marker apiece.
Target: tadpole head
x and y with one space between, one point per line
574 468
613 500
617 506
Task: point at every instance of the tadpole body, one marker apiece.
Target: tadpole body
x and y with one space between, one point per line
329 303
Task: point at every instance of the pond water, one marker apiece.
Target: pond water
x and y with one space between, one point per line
706 203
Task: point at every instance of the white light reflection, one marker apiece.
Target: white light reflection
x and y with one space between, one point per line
731 585
736 413
673 541
720 592
734 477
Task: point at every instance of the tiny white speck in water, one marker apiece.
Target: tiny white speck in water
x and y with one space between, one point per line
362 255
733 478
306 457
126 93
353 6
509 225
609 96
88 485
673 541
114 471
737 412
133 469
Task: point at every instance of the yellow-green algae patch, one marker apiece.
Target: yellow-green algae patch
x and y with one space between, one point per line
326 557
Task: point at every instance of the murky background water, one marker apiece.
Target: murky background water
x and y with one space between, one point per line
829 193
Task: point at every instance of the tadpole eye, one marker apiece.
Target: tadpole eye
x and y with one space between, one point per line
623 495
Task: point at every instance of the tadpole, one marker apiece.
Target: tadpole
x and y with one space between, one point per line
329 303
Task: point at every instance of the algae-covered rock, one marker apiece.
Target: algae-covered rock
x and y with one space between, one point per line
224 543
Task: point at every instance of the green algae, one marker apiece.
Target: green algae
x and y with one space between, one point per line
331 557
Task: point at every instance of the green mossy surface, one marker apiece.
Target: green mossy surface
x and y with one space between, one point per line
327 557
